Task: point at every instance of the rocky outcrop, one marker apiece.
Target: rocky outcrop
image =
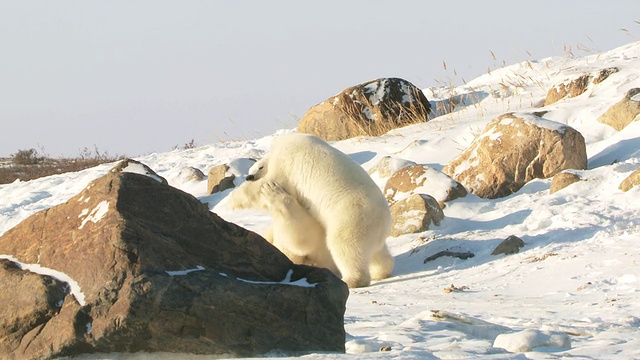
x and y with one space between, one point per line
577 86
131 264
372 108
515 149
421 179
415 214
624 112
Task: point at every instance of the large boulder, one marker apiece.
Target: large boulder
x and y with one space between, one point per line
515 149
372 108
422 179
147 267
624 112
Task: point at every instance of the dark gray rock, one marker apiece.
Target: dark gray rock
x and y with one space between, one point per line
508 246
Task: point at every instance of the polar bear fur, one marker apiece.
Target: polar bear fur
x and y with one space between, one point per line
343 198
294 231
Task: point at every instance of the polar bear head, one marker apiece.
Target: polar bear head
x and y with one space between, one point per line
258 170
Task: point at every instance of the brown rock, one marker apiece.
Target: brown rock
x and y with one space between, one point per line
371 109
573 88
221 177
631 181
562 180
508 246
421 179
28 301
577 86
156 271
415 214
624 112
515 149
604 74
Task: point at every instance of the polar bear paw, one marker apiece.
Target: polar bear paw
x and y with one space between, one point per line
274 197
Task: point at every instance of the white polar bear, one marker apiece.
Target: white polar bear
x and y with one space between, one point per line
340 194
294 231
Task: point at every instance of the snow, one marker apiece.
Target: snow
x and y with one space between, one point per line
140 169
97 214
184 272
573 290
286 281
530 339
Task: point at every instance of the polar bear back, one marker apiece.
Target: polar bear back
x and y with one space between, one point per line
323 178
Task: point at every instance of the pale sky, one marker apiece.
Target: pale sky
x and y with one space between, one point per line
137 77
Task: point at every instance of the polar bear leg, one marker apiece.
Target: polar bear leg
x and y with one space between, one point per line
351 255
295 232
381 264
293 226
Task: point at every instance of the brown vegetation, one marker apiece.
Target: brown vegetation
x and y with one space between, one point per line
29 164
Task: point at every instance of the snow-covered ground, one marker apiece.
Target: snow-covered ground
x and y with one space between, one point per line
574 289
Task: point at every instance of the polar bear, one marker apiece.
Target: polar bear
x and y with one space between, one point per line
340 194
294 231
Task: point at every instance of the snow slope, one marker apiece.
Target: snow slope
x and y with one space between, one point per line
574 289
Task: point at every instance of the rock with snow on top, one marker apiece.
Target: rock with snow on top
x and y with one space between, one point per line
189 173
147 267
515 149
577 86
387 166
530 339
630 181
422 179
624 112
561 180
136 167
370 109
415 214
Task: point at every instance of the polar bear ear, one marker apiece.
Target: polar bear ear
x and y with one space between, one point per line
257 170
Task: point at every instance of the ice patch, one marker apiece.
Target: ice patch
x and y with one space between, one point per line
74 287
